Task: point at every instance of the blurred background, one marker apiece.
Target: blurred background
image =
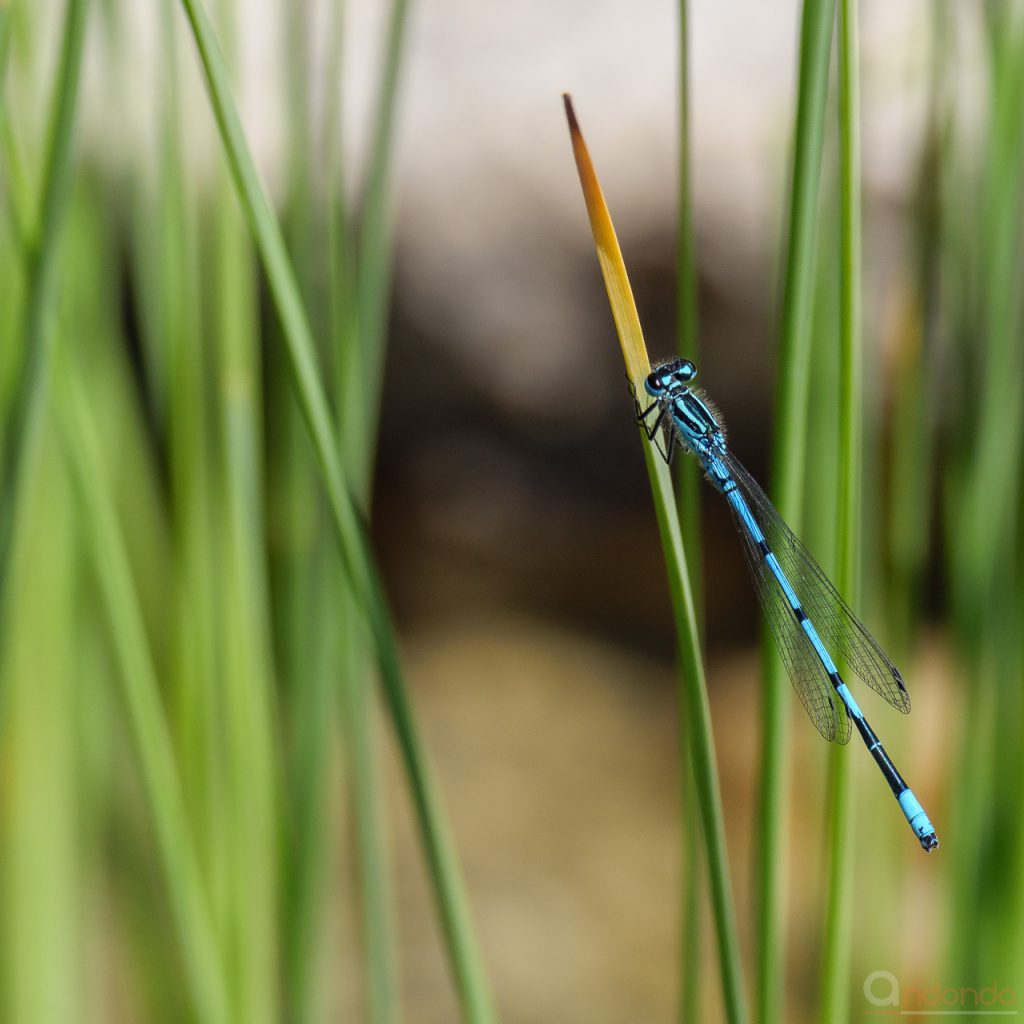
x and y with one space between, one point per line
190 739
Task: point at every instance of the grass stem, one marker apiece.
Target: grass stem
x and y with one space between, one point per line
788 470
839 922
688 483
31 388
145 712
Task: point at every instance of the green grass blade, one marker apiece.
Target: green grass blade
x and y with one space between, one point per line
990 499
142 700
356 433
688 483
911 521
307 896
361 284
39 832
688 472
839 920
174 287
686 259
5 45
448 888
21 429
983 524
374 862
307 575
5 53
788 466
374 270
797 300
699 738
253 798
693 697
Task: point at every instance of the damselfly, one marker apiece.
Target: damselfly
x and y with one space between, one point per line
811 623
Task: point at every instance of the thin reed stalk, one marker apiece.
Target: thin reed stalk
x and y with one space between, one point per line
687 334
252 754
839 922
983 524
787 478
22 429
141 694
312 628
316 705
688 482
913 469
40 820
374 243
173 289
362 261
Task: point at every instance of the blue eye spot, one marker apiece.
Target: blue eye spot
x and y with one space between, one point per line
685 372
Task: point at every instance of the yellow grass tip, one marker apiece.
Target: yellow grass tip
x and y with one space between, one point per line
609 256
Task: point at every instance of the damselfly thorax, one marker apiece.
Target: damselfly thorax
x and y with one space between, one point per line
688 416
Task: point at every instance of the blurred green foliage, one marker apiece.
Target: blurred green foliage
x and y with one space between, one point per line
191 625
150 462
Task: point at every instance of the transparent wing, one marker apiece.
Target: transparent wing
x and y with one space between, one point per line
845 636
806 672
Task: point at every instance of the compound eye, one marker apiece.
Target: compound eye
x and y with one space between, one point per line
686 372
656 383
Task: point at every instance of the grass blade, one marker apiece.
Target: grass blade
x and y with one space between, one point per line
31 388
839 920
983 528
693 691
367 787
142 700
312 628
688 472
788 468
173 286
252 781
688 483
375 231
41 813
911 521
360 283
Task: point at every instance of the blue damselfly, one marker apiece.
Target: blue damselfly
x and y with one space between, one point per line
810 621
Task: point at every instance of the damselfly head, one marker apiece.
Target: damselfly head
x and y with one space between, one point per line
669 375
